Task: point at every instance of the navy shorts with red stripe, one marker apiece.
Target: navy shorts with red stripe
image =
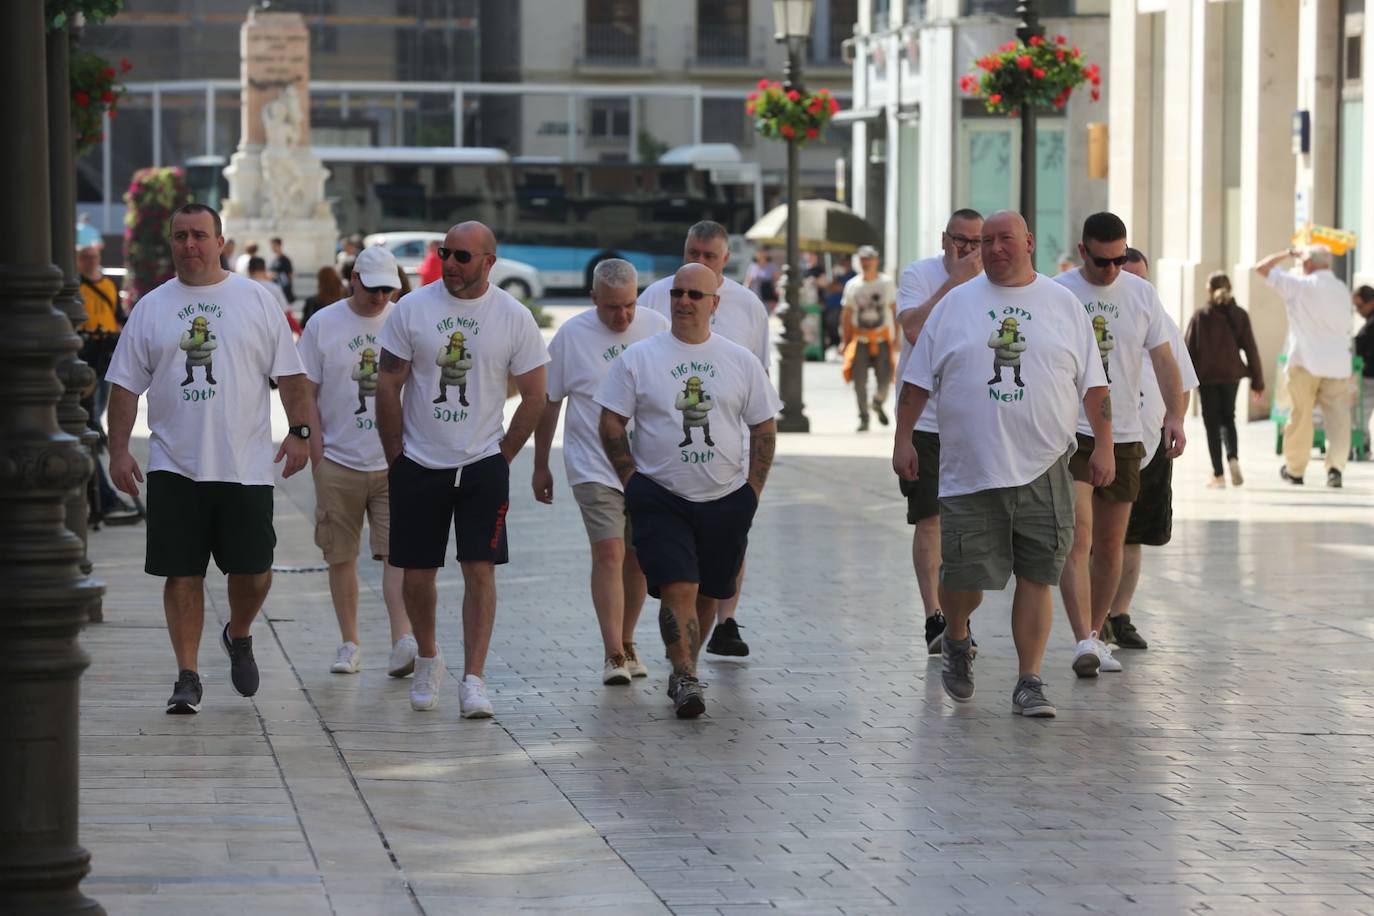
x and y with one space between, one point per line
424 500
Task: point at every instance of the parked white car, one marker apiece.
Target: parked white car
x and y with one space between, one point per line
515 277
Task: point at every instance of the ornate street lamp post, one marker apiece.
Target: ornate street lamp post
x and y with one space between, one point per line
47 597
792 19
1029 13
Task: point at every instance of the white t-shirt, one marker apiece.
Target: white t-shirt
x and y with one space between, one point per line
1319 311
204 354
241 264
340 351
1127 319
276 293
579 357
692 405
919 282
1152 399
870 301
740 316
460 352
979 339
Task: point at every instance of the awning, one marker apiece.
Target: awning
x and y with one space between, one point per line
851 115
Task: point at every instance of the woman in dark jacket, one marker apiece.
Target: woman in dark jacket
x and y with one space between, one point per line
1217 336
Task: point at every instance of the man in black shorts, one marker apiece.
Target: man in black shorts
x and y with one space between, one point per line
691 500
203 346
451 346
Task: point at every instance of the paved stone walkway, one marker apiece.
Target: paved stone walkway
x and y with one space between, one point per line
1225 771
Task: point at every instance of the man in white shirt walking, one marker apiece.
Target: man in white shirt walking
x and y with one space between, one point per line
580 356
691 505
1128 322
448 457
739 317
1318 352
868 333
923 284
340 351
210 461
1006 504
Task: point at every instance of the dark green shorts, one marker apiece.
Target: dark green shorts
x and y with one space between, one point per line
190 521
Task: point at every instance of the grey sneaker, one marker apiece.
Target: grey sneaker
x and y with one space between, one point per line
688 701
243 669
1028 699
957 676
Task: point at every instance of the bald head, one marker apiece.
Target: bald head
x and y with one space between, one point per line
693 302
1007 249
695 276
471 253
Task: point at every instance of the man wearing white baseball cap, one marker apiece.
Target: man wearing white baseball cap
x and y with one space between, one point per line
868 333
342 357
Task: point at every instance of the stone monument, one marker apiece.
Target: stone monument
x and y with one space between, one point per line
276 184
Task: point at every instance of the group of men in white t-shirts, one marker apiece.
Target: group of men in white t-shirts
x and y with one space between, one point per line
1032 468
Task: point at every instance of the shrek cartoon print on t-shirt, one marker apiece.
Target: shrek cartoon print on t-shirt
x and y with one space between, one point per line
1007 344
695 404
365 374
200 344
454 361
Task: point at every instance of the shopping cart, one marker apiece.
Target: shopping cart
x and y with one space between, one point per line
1283 406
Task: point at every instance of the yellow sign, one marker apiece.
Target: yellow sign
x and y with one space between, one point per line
1338 240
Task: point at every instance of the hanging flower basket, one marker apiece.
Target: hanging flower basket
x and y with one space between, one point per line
153 195
790 115
1042 73
96 89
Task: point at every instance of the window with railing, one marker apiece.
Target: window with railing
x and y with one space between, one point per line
610 119
722 31
1008 8
612 31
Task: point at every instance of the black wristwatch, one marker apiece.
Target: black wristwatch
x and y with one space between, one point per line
302 431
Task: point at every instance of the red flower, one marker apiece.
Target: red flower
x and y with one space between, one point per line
967 83
1009 46
1036 41
749 109
1038 73
763 84
834 106
107 96
787 131
753 96
108 73
1024 62
1096 94
793 95
1096 81
1075 52
995 98
995 64
812 133
1092 70
82 99
124 65
1059 101
1060 55
1060 40
111 113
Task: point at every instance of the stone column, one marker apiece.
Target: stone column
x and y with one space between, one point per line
1319 35
1269 72
1128 99
939 134
46 594
1364 253
77 377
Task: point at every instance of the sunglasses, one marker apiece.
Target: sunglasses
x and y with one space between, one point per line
377 289
1108 262
695 295
458 254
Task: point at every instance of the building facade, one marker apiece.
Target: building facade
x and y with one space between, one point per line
1207 165
921 149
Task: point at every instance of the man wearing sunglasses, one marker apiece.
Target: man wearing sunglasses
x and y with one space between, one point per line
923 284
691 505
580 356
1128 308
339 348
449 462
741 317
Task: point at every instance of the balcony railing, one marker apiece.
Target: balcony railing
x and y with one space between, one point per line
727 45
606 44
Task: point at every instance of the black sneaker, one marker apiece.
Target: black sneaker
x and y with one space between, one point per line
243 670
688 701
1125 633
1107 634
185 698
725 639
957 675
935 633
1295 481
1333 479
879 412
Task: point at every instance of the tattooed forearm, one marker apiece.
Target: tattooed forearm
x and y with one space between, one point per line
763 441
616 441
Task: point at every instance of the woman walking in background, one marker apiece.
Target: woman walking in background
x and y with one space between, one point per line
328 290
1217 336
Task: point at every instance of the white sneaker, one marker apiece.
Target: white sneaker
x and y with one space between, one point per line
637 668
616 672
429 677
348 660
473 698
1086 661
403 657
1107 659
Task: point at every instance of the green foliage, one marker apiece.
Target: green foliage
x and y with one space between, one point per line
61 12
789 114
649 147
541 317
1042 73
153 195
